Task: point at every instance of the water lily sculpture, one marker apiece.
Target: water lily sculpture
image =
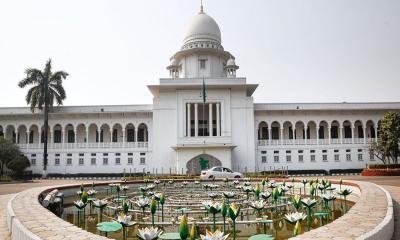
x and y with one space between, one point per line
265 195
183 228
233 212
149 233
125 188
79 204
295 218
228 195
125 220
247 190
257 205
327 197
142 203
212 195
100 204
162 202
217 235
257 191
224 211
304 182
236 182
272 184
213 208
91 192
296 200
309 204
197 182
345 192
153 209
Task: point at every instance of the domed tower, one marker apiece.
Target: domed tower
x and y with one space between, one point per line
202 54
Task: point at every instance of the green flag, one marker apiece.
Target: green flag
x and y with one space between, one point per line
203 92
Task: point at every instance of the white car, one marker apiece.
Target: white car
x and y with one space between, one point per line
219 172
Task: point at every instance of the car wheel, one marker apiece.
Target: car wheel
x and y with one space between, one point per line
237 176
211 177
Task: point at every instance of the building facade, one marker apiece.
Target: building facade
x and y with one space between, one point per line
180 130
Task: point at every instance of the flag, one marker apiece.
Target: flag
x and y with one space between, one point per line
203 92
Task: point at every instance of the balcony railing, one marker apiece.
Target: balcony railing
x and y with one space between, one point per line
86 145
275 142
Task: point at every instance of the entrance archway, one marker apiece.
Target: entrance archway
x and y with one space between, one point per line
201 162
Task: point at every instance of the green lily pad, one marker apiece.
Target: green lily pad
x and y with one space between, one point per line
170 236
321 214
261 237
109 226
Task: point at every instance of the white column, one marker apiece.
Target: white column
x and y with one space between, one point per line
210 123
63 136
218 120
123 135
317 129
305 134
329 135
364 134
196 120
281 136
188 125
16 136
293 135
376 133
341 135
27 137
352 134
76 135
269 135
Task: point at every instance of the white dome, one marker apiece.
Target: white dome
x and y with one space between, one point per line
203 27
231 62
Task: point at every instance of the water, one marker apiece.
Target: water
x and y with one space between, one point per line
191 197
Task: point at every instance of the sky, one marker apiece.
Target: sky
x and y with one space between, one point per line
297 50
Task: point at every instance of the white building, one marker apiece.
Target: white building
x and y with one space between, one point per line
178 129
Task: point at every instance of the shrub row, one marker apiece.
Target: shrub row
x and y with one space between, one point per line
383 166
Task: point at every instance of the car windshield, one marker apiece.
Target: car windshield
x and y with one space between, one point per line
217 169
227 170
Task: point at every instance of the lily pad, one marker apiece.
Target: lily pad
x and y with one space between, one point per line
170 236
261 237
109 226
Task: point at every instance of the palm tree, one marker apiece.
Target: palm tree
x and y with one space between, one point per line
46 87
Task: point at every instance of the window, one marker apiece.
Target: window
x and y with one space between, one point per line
142 154
93 154
105 154
130 154
57 136
69 161
93 161
301 159
81 154
336 150
312 151
324 151
130 161
57 161
69 154
276 152
348 157
337 159
288 151
360 157
33 155
263 159
348 150
117 154
312 158
300 151
359 150
325 158
117 161
263 152
202 63
33 161
71 136
57 154
276 159
80 161
142 161
289 158
371 157
105 161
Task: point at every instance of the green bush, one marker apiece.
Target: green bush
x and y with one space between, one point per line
5 178
383 166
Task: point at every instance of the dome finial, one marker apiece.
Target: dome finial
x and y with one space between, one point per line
201 6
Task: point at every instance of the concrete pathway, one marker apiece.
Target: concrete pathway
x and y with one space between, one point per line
4 234
395 193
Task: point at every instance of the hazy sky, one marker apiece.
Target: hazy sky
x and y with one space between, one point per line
298 51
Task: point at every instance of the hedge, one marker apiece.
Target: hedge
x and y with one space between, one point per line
383 166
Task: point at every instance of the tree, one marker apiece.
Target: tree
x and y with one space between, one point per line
46 88
19 164
8 152
387 148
